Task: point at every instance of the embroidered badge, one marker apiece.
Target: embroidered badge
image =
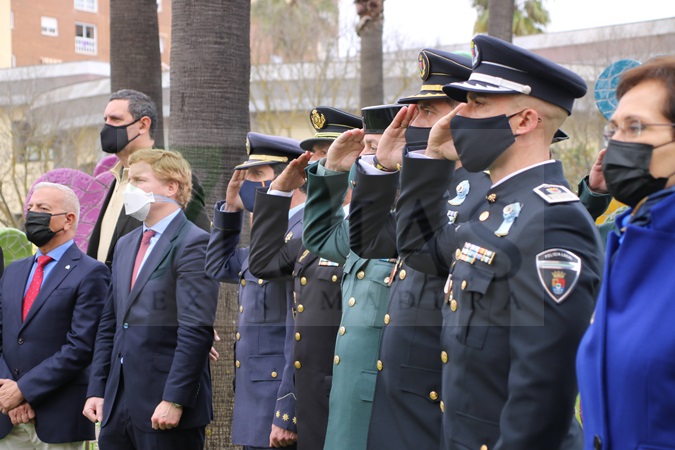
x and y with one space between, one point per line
463 189
509 214
289 236
554 193
423 61
304 255
471 253
248 147
318 119
558 272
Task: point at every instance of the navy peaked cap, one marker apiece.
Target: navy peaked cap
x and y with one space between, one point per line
376 119
438 68
264 149
503 68
329 123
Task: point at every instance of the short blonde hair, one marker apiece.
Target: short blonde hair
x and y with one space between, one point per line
168 166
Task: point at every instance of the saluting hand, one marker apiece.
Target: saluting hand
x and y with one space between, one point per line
441 145
390 148
293 175
344 150
596 179
233 202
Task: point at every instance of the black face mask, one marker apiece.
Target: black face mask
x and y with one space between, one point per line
115 139
626 170
479 142
37 227
416 138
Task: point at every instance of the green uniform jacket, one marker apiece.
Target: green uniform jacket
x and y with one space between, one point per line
365 294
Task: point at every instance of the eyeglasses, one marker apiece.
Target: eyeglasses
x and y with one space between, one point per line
631 128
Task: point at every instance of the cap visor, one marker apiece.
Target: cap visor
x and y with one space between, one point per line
422 96
457 91
308 144
252 163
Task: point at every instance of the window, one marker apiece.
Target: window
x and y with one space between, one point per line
87 5
162 43
50 26
85 39
159 5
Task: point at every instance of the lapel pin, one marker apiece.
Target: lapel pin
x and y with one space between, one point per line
68 267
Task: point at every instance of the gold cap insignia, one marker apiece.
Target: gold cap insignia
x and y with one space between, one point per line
318 119
423 60
248 147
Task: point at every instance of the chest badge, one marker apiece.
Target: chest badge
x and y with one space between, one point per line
323 262
452 216
510 214
558 272
462 191
554 193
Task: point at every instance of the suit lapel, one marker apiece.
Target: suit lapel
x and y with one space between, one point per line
58 273
159 252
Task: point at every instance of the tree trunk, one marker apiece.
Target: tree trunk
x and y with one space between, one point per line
135 61
369 29
210 70
500 21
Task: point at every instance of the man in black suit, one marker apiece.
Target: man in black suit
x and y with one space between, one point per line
130 125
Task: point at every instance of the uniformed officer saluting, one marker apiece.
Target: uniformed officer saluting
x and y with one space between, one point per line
524 270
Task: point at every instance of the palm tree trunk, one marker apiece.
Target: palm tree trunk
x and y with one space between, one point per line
210 70
135 60
369 29
500 22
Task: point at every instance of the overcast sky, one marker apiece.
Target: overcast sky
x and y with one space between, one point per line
430 23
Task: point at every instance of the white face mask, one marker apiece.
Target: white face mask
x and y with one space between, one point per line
137 202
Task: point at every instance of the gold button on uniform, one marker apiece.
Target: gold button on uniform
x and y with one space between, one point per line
243 282
274 374
303 281
402 274
237 336
334 278
298 365
444 356
463 284
386 280
260 281
458 253
379 365
442 405
343 330
387 319
237 364
241 309
301 308
352 301
485 215
361 275
297 336
453 305
433 395
336 360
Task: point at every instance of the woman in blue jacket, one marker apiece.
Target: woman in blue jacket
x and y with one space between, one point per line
626 361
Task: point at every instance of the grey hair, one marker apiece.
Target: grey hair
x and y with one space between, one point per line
70 200
140 105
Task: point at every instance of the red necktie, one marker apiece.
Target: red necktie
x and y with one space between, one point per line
142 250
35 284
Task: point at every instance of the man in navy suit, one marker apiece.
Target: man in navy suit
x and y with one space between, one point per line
50 305
150 385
